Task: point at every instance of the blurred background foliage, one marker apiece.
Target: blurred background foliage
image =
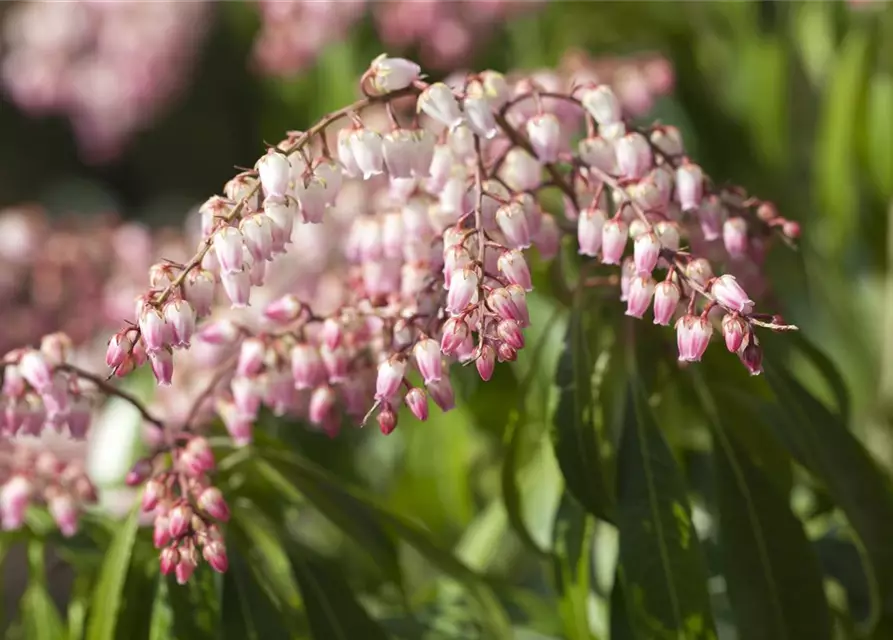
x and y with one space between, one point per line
475 524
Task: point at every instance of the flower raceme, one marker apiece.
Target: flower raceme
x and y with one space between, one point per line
433 194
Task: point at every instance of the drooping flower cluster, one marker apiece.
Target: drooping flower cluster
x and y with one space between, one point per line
110 67
432 263
446 33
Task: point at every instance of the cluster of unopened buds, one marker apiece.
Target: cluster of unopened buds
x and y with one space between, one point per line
436 267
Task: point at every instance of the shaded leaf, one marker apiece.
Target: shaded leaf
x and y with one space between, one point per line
663 572
572 548
162 623
107 597
247 612
574 435
332 611
773 577
620 626
40 617
195 605
879 132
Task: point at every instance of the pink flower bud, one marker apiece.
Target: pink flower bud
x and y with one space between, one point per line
544 132
548 239
387 420
228 244
441 392
283 310
257 231
307 367
80 414
633 156
336 363
160 534
751 356
251 357
153 328
729 294
667 233
520 170
614 235
322 401
366 146
14 496
417 402
463 290
200 451
332 333
699 271
392 74
211 501
162 362
486 362
36 370
180 317
439 103
734 236
399 150
64 513
479 114
590 226
428 359
169 559
440 169
138 473
152 494
692 337
689 185
422 154
184 570
282 213
455 331
274 172
199 291
646 251
668 140
178 521
519 299
214 554
219 332
734 329
512 222
246 396
237 286
118 348
456 259
514 267
510 332
602 104
312 199
639 297
239 428
598 153
390 375
55 347
666 299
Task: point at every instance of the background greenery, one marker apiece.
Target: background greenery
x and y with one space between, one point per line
592 489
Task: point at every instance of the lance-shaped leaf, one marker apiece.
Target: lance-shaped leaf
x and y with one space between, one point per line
661 561
572 547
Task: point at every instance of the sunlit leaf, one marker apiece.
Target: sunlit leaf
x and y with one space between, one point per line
662 565
112 577
572 547
879 132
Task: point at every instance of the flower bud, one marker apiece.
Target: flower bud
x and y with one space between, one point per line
169 559
639 297
322 401
598 153
545 136
387 420
633 156
729 294
590 225
510 332
514 267
336 364
428 359
646 251
64 513
390 375
689 185
283 310
699 271
160 532
439 103
257 232
519 299
463 290
692 337
751 356
152 494
282 213
228 243
455 330
178 521
154 330
667 233
118 349
478 112
237 286
307 367
614 235
14 496
486 362
199 291
211 501
666 299
602 104
221 333
162 362
398 149
239 428
214 554
366 146
251 357
441 392
520 170
392 74
734 329
246 396
734 236
274 172
184 570
513 223
180 317
506 353
417 402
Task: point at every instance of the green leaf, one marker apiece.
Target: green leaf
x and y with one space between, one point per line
574 435
773 576
112 576
162 625
40 616
572 546
662 565
879 132
195 605
256 537
332 611
511 494
315 482
821 442
835 155
248 613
